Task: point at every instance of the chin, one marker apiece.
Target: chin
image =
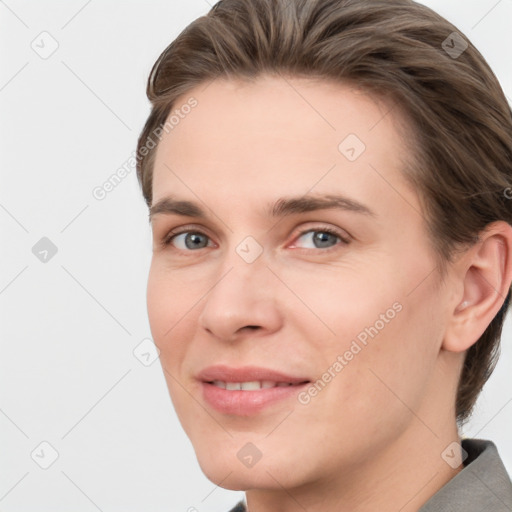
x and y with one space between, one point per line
230 473
239 479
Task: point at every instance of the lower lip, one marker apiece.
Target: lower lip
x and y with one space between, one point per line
245 403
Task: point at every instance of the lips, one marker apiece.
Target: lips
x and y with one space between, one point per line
219 374
248 390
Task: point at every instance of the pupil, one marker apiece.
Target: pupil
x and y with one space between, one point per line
322 238
193 240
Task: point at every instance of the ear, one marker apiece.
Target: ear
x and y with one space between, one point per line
485 276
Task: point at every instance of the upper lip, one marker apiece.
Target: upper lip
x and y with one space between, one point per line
245 374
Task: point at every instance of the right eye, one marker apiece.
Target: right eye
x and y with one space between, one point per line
187 240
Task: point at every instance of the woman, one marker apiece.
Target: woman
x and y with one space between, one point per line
329 192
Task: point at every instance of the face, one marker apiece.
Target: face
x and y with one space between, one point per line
304 252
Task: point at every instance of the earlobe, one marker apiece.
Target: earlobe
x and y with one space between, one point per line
486 274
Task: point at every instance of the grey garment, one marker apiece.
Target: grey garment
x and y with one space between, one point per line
483 484
239 507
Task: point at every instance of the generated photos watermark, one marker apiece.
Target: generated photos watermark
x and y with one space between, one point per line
100 192
304 397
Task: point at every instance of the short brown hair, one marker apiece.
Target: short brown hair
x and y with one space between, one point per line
397 49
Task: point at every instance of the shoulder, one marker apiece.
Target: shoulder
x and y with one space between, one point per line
483 484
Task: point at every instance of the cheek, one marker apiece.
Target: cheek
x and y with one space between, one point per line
168 319
167 307
339 303
169 295
385 335
389 377
159 304
379 387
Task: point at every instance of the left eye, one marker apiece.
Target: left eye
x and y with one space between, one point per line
320 238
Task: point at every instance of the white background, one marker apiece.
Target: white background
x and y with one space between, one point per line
68 375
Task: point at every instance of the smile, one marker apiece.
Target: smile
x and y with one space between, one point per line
250 385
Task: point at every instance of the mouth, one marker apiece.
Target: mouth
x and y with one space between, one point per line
253 385
247 390
247 376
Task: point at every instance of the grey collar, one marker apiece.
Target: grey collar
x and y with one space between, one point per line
483 484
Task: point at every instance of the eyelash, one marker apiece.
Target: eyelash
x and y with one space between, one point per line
167 239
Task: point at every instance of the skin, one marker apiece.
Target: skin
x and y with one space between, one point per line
372 439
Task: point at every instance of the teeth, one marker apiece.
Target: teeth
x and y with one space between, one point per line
249 386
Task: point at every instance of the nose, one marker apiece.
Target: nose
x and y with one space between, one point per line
241 302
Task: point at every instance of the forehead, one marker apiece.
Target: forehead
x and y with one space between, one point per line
278 134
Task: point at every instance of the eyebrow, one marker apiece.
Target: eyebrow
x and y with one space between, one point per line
281 208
